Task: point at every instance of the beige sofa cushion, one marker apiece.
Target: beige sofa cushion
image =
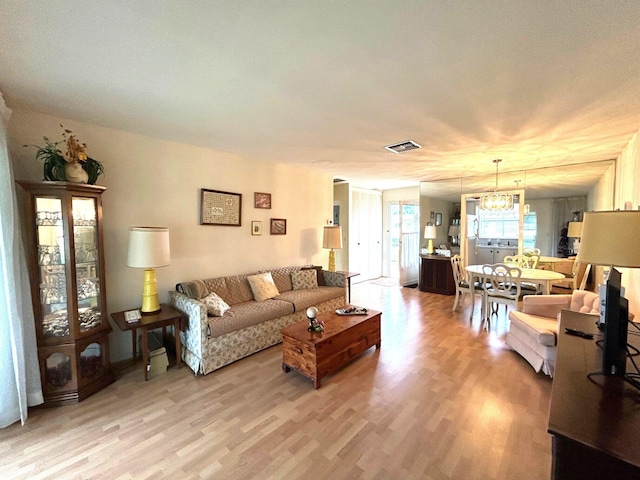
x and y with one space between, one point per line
543 330
262 286
247 314
310 297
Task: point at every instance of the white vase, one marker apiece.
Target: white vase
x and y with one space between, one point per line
74 172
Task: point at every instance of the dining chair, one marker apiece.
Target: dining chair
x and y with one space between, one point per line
525 261
463 287
502 287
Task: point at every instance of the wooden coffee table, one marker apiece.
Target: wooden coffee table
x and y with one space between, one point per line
316 355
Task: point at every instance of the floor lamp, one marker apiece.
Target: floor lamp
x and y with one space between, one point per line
149 248
332 238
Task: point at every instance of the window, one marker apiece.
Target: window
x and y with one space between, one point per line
499 224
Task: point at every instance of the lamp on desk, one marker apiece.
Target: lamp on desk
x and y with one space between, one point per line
454 231
430 233
575 231
612 239
332 238
149 248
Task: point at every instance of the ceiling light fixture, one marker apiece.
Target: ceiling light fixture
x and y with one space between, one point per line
496 201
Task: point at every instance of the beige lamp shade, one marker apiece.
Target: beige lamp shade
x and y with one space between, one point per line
332 237
611 238
430 232
148 247
574 230
454 230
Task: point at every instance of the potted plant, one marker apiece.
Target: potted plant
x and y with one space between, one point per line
73 166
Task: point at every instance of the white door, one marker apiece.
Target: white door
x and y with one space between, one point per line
365 234
410 244
404 242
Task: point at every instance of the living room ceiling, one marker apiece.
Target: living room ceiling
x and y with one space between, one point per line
329 84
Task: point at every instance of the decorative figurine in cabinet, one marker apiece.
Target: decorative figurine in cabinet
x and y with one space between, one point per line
66 269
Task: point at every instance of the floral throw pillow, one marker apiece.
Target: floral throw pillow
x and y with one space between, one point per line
263 286
304 279
215 305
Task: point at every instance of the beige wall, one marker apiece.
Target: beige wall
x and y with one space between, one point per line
156 182
628 190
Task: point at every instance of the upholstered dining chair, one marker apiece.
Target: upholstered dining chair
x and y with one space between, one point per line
576 279
463 287
502 286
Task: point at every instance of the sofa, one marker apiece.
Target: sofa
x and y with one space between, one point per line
232 317
533 331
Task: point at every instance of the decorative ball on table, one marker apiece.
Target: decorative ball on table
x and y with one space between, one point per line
314 324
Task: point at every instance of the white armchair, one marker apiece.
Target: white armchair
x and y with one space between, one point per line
533 330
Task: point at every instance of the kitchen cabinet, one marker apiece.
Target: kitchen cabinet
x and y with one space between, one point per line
436 275
490 255
66 270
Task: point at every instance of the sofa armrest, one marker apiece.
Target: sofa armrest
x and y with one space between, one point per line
197 324
334 279
545 305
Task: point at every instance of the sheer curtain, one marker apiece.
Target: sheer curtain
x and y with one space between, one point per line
19 371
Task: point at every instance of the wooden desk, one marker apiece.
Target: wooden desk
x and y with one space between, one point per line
595 424
167 316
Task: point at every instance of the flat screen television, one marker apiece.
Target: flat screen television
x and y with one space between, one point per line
616 317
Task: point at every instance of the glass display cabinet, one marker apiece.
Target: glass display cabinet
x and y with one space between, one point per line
66 269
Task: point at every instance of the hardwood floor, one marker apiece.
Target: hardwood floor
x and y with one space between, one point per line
442 399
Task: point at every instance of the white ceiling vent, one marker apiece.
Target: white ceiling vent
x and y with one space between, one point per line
403 146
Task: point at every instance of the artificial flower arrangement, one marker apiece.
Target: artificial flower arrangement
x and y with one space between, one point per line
74 165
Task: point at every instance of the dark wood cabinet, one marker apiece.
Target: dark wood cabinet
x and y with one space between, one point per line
436 275
595 421
66 270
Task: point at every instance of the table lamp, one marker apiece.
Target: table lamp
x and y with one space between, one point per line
332 238
611 238
430 233
575 231
454 231
149 248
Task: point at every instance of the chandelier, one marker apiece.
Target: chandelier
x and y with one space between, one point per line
496 201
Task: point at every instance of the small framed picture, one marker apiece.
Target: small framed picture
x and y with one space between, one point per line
278 226
132 316
256 227
262 200
438 219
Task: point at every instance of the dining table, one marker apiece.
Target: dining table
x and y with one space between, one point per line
551 261
543 278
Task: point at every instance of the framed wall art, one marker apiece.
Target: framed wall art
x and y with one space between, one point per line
278 226
438 219
220 208
256 227
262 200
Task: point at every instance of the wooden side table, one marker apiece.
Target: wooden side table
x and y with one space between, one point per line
349 275
167 316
